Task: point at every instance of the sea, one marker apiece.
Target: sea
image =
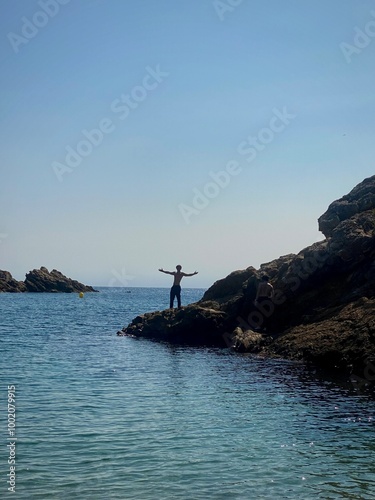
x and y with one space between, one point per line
87 414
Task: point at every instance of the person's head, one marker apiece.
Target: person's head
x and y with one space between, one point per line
265 278
178 268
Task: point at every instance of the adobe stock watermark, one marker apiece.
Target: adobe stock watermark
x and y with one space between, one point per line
12 439
362 39
120 278
222 7
249 148
31 27
122 108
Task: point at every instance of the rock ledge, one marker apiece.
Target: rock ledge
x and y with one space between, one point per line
41 280
323 310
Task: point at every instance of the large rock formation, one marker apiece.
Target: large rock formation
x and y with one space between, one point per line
41 280
9 284
323 309
360 199
170 325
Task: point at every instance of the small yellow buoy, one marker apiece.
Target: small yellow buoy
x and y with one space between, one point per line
81 295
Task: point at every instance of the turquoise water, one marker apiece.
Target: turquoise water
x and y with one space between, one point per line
100 416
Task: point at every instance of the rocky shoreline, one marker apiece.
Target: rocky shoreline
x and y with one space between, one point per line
41 280
323 309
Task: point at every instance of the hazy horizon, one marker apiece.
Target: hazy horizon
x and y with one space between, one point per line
138 135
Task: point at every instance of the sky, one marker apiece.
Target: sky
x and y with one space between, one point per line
142 134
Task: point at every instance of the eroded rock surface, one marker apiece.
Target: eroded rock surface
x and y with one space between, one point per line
41 280
9 284
323 308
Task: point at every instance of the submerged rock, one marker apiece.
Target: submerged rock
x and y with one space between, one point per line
41 280
323 308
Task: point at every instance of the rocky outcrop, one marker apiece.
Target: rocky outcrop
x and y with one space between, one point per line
9 284
360 199
41 280
192 325
343 339
323 307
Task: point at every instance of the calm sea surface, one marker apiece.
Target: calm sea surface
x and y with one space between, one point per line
100 416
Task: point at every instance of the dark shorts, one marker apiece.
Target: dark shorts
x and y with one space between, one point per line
175 293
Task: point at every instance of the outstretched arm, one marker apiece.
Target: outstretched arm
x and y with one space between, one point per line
192 274
166 272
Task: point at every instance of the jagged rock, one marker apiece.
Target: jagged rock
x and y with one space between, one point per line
250 341
191 325
353 240
323 309
41 280
9 284
343 340
360 199
229 286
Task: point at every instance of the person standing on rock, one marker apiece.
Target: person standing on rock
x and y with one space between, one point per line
263 300
176 287
265 290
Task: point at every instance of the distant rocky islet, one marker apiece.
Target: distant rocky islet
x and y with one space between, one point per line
41 280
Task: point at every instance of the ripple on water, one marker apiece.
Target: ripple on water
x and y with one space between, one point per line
101 416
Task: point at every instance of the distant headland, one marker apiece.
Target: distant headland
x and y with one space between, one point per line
322 310
41 280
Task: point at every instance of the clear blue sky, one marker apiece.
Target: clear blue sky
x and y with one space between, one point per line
179 88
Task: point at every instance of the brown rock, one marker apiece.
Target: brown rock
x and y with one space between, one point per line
191 325
323 310
344 340
9 284
360 199
41 280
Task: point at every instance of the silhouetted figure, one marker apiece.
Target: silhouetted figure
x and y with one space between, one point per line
176 287
263 299
265 290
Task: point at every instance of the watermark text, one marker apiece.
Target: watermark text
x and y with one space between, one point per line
31 27
11 434
361 39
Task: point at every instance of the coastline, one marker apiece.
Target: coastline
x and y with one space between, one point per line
323 309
